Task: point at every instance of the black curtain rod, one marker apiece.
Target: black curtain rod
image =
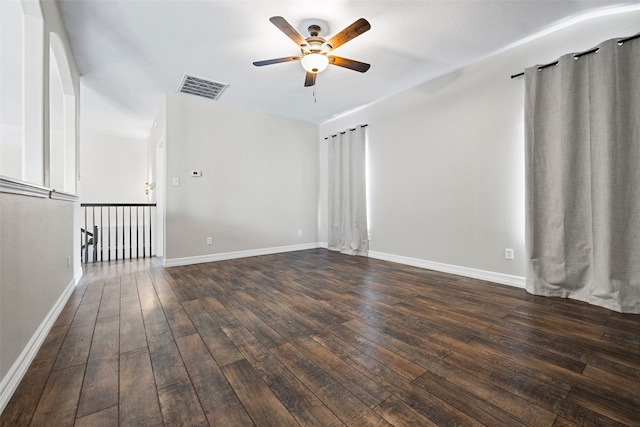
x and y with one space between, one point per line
342 133
578 55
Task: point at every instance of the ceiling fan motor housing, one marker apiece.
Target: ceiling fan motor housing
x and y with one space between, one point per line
314 52
314 30
315 44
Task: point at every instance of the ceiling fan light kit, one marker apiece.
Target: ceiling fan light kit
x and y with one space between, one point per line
315 50
315 62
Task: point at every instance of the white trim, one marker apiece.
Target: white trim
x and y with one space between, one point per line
15 374
77 277
173 262
490 276
61 195
14 186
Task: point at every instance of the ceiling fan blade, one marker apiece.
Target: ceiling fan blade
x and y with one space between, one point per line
349 63
310 79
286 28
276 60
351 32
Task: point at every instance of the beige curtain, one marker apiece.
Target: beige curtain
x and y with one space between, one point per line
582 131
347 205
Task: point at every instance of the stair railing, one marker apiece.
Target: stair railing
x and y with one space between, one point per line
120 231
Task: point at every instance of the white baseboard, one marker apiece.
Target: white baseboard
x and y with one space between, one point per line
15 374
490 276
173 262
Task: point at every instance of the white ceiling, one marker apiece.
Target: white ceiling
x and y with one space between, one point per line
131 52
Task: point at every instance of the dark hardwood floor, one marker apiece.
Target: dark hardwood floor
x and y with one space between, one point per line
317 338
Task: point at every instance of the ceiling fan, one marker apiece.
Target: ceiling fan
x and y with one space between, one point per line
315 49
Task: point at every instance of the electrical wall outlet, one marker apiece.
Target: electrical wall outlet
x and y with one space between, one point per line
209 241
508 253
299 232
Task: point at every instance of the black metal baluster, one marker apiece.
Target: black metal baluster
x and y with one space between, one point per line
109 243
123 245
138 231
150 234
101 235
130 240
95 234
86 238
116 243
144 230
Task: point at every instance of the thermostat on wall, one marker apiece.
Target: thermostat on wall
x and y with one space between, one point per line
196 173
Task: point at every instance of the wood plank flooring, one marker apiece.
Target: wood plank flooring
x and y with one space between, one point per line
322 339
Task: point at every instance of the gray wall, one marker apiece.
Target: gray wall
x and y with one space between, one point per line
35 241
258 183
446 159
113 169
37 238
